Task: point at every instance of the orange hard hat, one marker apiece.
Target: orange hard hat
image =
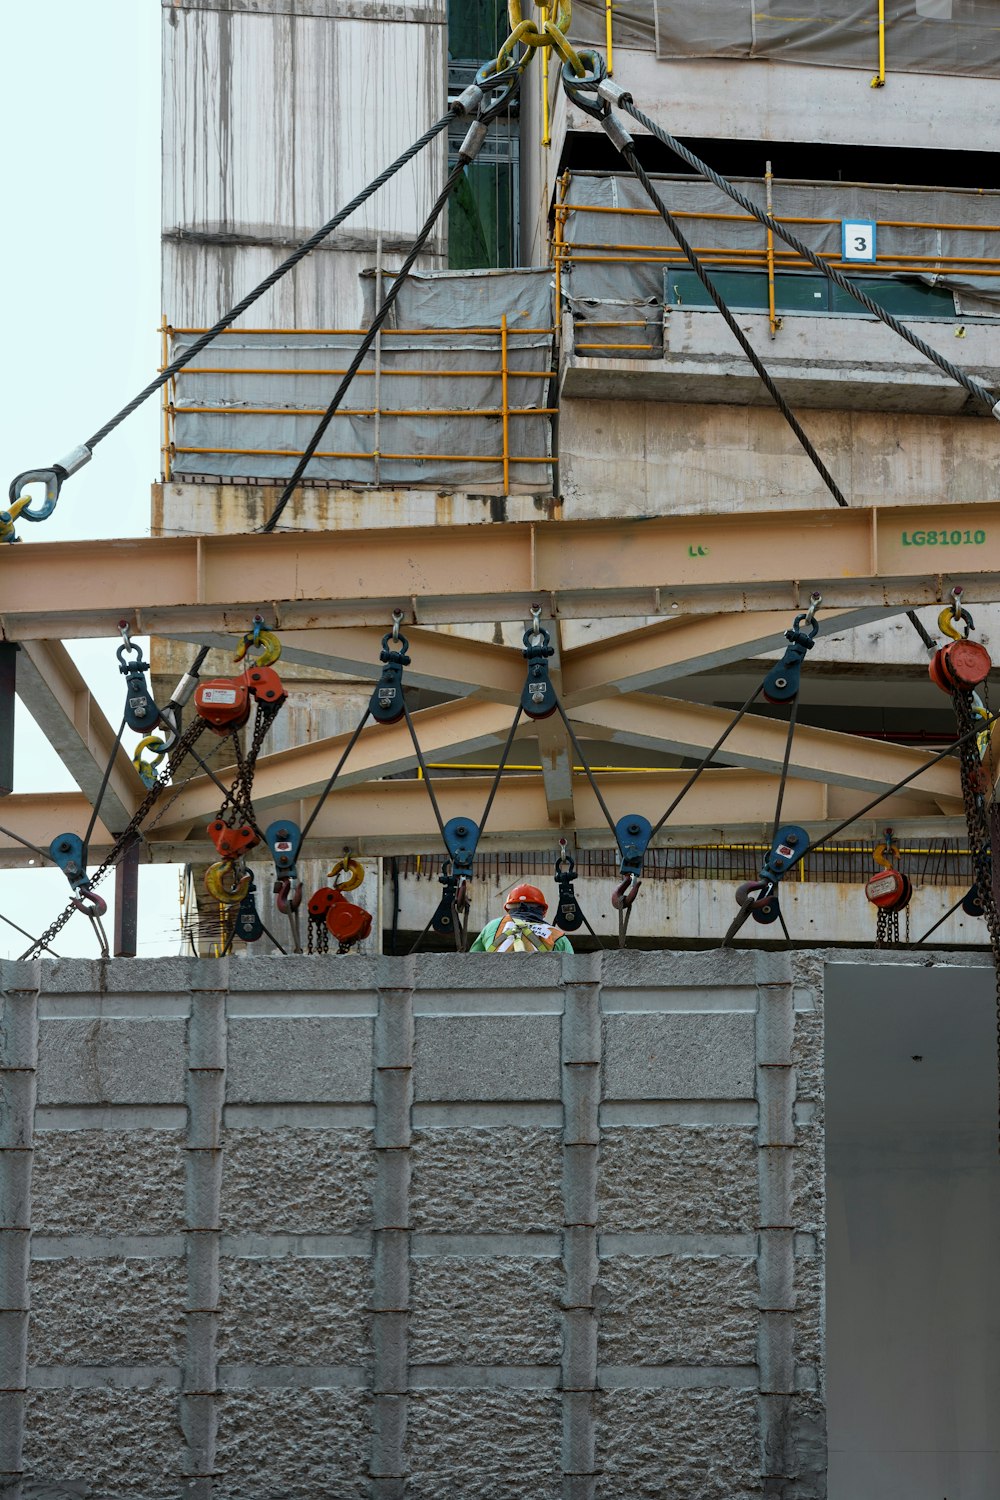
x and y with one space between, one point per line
529 894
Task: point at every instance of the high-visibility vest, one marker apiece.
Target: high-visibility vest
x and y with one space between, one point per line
515 935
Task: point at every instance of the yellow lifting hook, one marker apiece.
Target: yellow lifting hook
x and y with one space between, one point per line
10 515
352 870
157 748
216 878
264 640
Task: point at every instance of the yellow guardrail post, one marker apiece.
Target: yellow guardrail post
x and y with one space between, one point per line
504 405
165 356
879 80
772 318
608 39
546 120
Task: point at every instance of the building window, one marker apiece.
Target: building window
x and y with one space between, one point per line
483 217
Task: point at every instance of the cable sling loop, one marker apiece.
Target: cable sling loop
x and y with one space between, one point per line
470 147
55 476
611 93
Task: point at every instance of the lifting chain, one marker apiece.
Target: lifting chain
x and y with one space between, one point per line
130 832
238 801
977 821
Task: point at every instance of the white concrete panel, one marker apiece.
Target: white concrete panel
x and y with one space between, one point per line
778 101
272 122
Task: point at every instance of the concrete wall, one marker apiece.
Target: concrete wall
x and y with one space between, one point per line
274 117
306 1227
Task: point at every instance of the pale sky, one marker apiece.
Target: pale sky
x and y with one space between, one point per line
80 179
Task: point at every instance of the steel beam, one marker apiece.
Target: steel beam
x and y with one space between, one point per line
555 751
8 684
669 724
54 692
452 729
395 817
638 660
657 566
446 664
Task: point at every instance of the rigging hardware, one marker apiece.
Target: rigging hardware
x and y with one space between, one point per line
781 684
538 698
141 713
386 706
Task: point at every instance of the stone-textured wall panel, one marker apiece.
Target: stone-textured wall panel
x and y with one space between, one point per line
693 1180
492 1181
295 1181
678 1445
121 1443
485 1311
663 1310
808 1310
292 1445
107 1312
299 1059
807 1054
809 1179
487 1057
480 1444
108 1181
119 1061
679 1056
295 1311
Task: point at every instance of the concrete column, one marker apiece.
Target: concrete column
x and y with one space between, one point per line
393 1089
581 1095
18 1091
776 1236
206 1088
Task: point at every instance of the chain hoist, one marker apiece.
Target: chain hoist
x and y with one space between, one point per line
958 669
890 892
330 913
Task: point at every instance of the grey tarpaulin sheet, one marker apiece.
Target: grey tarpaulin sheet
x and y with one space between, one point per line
922 36
272 388
597 274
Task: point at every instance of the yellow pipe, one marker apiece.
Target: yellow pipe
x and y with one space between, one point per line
387 411
608 37
772 316
546 122
879 81
414 374
455 458
399 333
165 355
503 403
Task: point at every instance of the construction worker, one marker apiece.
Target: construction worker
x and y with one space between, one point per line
523 929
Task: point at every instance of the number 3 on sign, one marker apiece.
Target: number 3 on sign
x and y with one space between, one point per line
858 240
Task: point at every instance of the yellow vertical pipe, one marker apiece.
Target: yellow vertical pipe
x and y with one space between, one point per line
503 404
165 356
608 40
546 122
879 81
771 314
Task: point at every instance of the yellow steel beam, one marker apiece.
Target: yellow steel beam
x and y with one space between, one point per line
395 817
663 565
669 724
54 692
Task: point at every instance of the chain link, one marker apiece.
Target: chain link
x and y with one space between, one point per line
129 833
978 823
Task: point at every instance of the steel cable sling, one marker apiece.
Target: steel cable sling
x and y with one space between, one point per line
625 144
54 477
611 93
470 147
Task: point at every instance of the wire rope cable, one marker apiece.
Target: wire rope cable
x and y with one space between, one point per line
289 264
628 151
104 784
625 101
378 320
